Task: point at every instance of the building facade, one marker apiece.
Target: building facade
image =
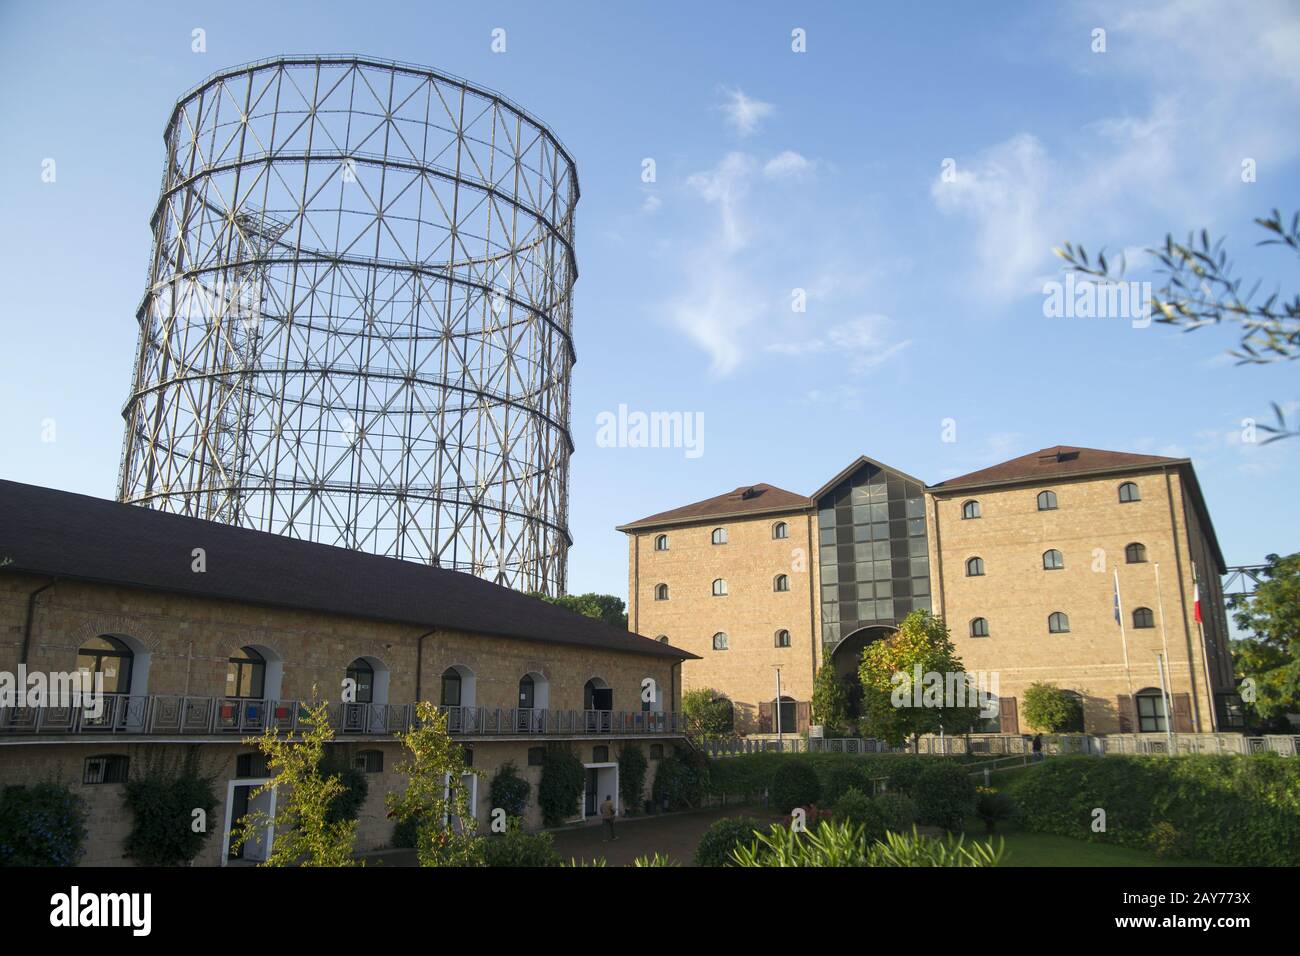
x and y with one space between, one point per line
206 634
1025 561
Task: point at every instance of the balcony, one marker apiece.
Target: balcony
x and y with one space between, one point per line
164 715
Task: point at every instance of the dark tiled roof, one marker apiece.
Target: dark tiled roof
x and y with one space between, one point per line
1057 462
744 501
60 534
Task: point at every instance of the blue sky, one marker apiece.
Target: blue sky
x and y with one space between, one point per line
775 171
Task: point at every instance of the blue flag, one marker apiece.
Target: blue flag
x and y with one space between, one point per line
1117 620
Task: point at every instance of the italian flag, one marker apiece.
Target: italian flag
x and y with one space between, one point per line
1196 594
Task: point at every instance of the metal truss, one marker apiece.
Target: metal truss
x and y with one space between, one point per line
357 327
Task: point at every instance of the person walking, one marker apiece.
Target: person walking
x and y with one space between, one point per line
607 818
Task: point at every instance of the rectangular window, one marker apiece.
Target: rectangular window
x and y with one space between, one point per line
916 527
826 536
920 585
880 551
916 547
920 567
916 507
109 768
884 589
866 592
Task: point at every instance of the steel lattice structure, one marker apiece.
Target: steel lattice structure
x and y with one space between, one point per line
357 327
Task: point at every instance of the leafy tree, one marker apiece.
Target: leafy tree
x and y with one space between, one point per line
603 607
893 706
162 801
1270 660
830 704
436 795
509 791
308 832
1200 289
43 824
1050 709
632 767
563 778
709 715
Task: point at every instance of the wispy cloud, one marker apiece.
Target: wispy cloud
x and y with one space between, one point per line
787 165
865 343
744 113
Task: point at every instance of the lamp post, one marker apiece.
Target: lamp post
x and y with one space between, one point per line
780 738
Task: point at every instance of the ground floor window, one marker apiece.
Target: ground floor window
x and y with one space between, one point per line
1151 711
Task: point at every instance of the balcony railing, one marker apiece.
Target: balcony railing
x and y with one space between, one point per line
164 715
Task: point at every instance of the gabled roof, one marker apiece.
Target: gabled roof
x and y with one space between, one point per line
854 466
1069 461
746 501
1059 461
63 535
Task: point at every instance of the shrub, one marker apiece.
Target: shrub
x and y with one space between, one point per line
857 808
41 825
944 794
841 844
631 777
405 833
347 804
794 785
839 777
516 848
680 781
1240 810
1050 709
162 802
563 778
897 812
1165 840
509 791
657 860
993 807
722 837
912 850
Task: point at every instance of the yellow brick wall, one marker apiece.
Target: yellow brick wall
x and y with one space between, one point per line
750 614
1091 529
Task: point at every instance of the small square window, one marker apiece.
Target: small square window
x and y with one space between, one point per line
536 756
108 768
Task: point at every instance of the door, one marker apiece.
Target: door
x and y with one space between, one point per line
593 784
238 810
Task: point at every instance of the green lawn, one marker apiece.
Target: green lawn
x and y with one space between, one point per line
1045 849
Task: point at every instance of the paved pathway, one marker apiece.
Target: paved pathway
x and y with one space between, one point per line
674 834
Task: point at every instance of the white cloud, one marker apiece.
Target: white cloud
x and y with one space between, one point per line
724 186
866 343
745 113
651 204
787 165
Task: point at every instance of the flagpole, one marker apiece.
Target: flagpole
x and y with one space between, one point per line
1123 637
1164 640
1164 689
1205 657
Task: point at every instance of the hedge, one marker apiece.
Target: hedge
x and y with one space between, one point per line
746 777
1242 810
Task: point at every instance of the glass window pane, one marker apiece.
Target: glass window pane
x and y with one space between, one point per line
920 585
916 507
916 527
920 567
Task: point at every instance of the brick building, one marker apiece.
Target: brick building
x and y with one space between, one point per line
205 634
1022 559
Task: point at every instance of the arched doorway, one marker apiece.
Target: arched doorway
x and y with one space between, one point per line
597 703
847 658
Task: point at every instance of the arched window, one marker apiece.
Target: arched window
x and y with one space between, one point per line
661 542
970 509
1129 492
1053 560
1151 710
780 530
246 675
597 695
661 592
979 627
782 583
109 658
719 535
662 638
452 687
720 641
719 588
1135 553
782 638
363 676
1142 617
786 709
975 567
1047 501
527 693
1058 623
